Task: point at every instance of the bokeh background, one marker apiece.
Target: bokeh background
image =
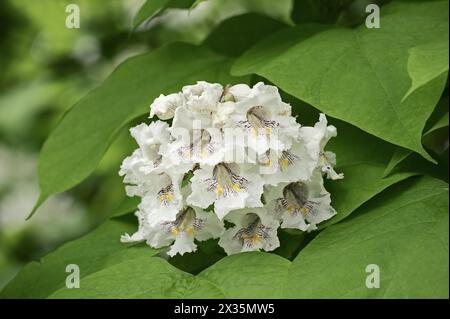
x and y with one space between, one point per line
45 68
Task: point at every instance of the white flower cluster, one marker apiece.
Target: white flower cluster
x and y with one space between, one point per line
192 176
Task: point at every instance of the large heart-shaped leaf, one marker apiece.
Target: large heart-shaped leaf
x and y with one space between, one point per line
359 75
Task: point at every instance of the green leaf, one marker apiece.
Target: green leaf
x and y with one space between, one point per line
249 275
152 8
93 252
400 154
437 121
76 146
427 62
291 242
322 11
197 2
128 205
237 34
440 123
194 25
349 73
208 252
362 158
140 277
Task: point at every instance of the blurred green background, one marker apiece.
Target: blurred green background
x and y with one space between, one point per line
45 68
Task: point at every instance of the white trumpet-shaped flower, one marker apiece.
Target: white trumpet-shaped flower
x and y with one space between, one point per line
237 92
194 140
223 113
164 106
227 105
301 205
315 139
265 118
163 198
190 224
145 171
228 186
203 97
147 159
288 165
253 230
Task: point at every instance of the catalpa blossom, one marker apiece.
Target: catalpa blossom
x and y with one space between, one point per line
234 164
315 139
288 165
228 186
254 229
302 204
193 139
164 106
202 97
189 224
266 119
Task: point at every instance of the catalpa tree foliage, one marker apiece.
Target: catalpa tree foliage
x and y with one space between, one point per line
289 151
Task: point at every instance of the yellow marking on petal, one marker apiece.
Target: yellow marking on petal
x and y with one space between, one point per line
219 189
166 198
268 130
267 162
236 187
304 211
174 231
291 208
284 163
190 231
254 132
253 238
